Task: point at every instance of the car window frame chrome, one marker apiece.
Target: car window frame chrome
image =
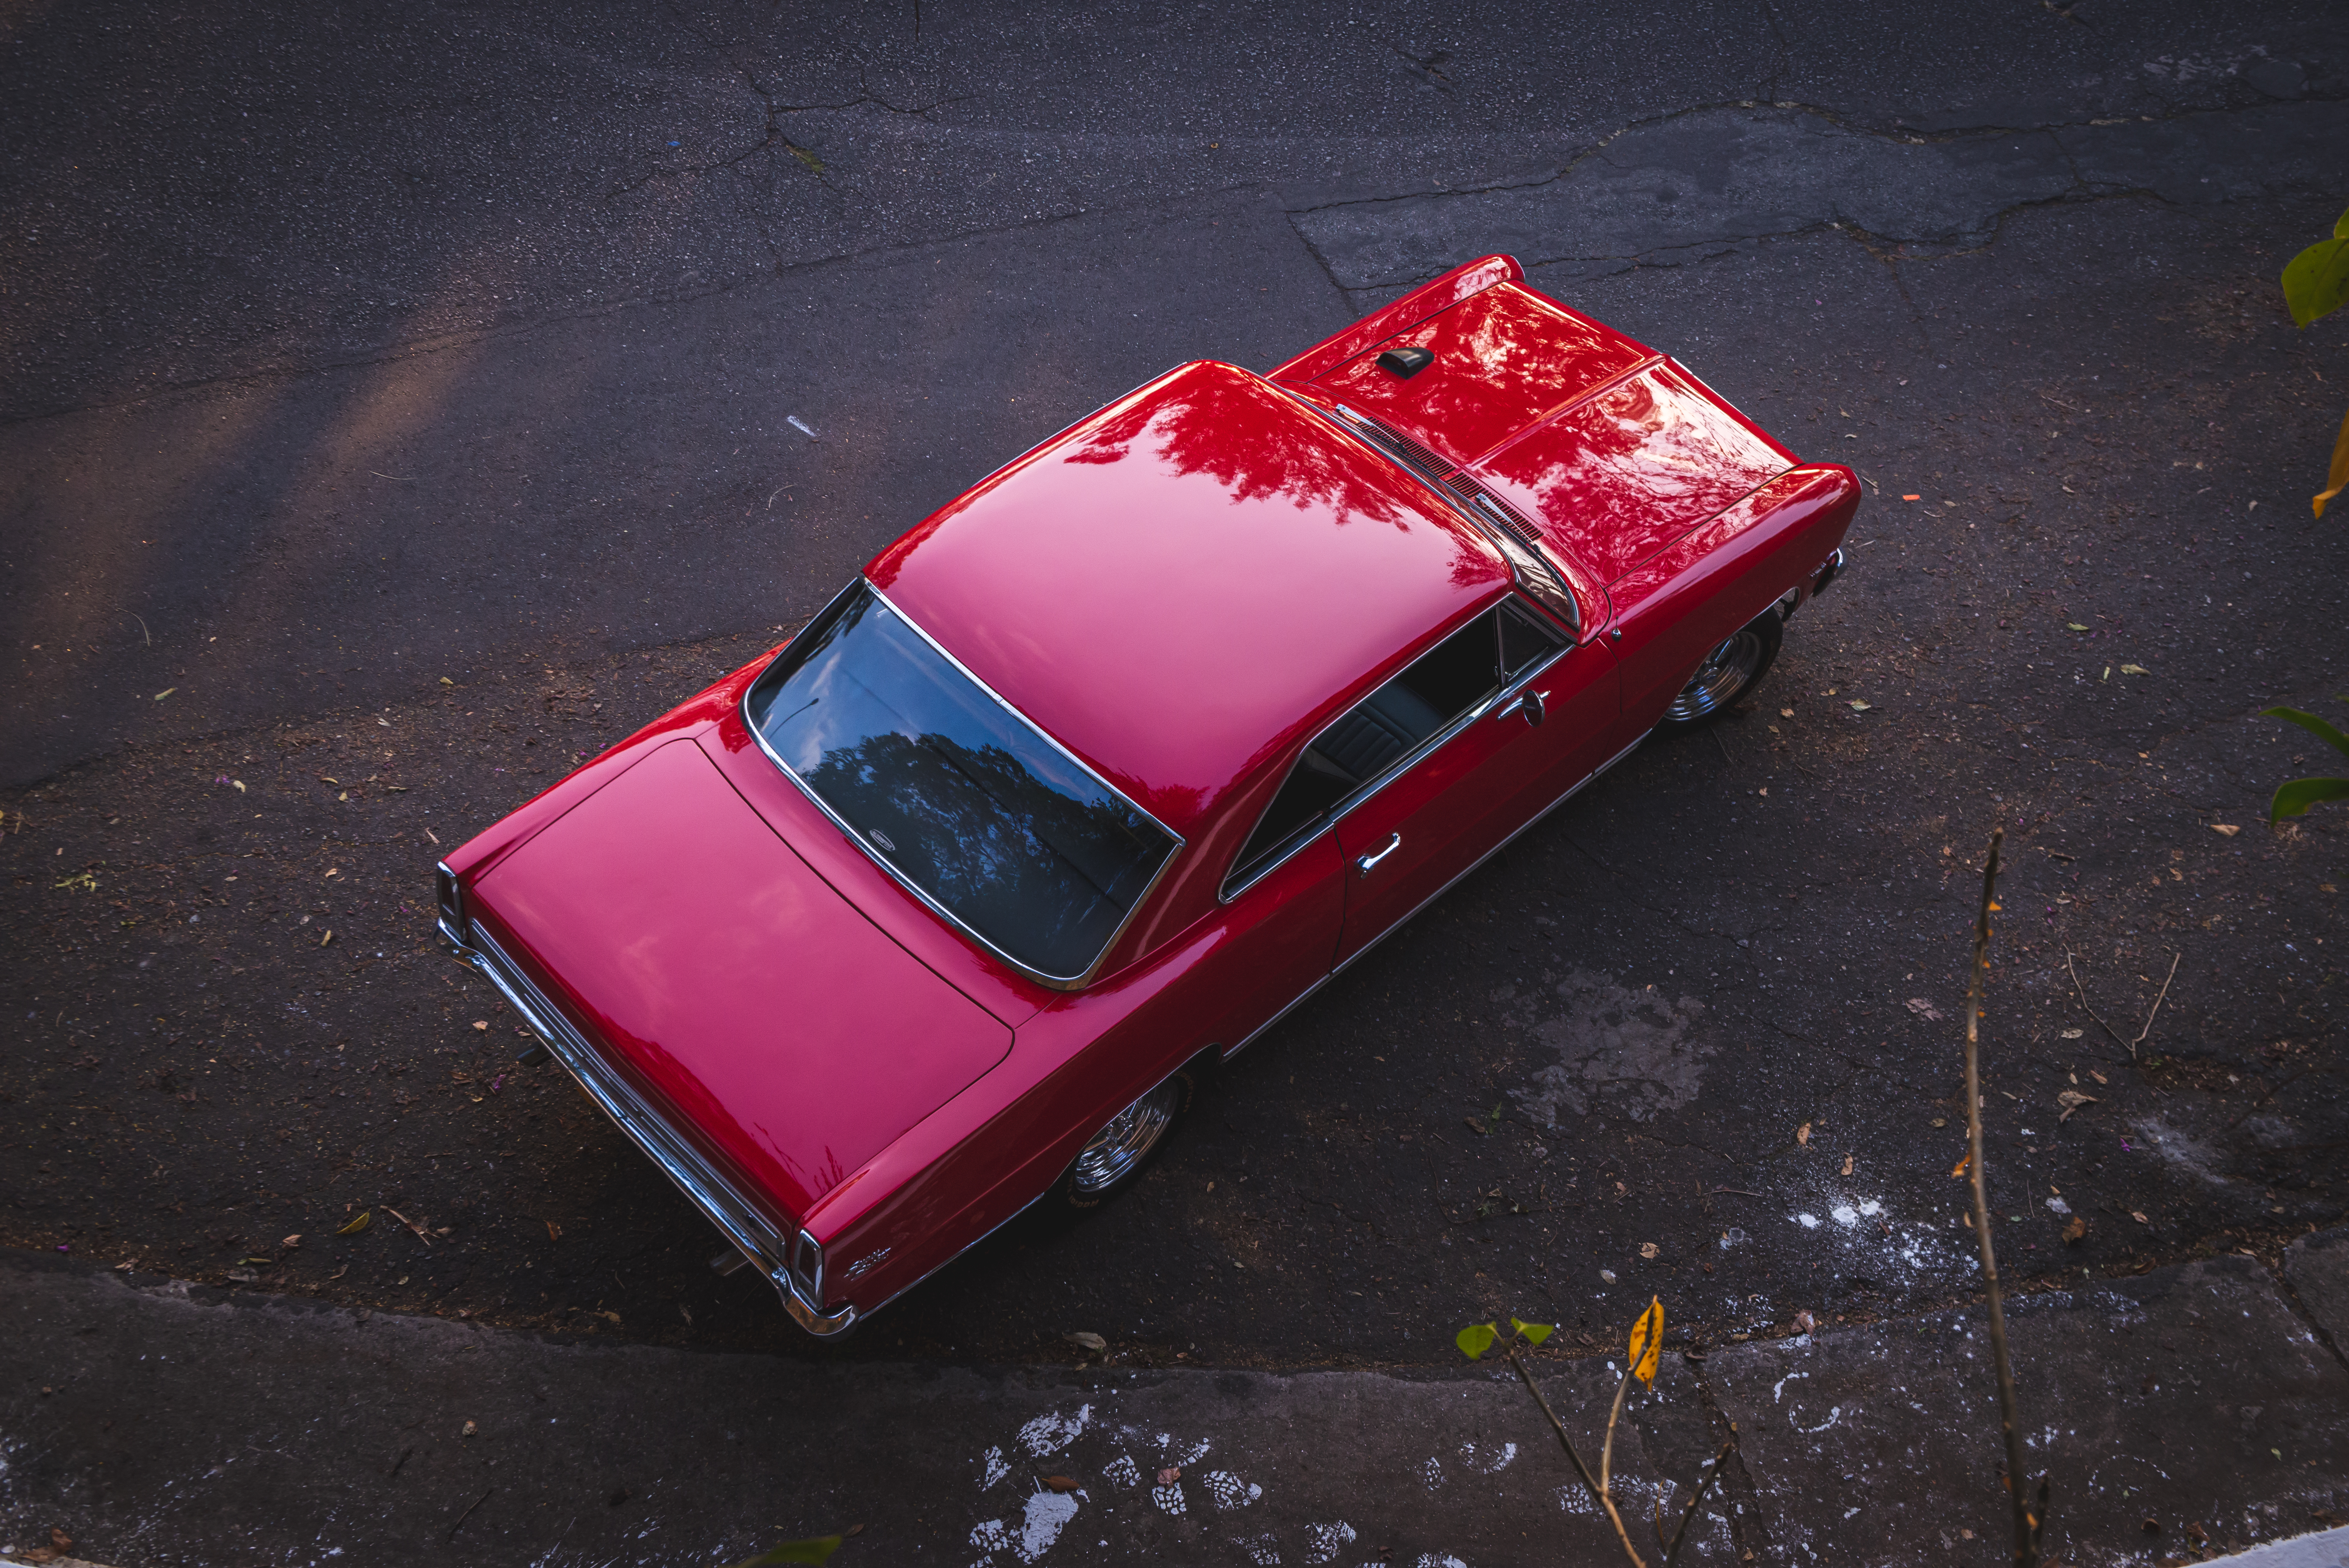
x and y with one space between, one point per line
1347 805
1053 982
1586 625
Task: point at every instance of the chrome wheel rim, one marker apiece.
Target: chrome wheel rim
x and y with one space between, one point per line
1726 671
1130 1134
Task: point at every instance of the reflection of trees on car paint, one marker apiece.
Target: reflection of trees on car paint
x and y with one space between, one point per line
1217 426
1044 876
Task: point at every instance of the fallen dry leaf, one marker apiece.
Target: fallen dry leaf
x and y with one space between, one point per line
2099 1076
480 1023
326 939
1924 1009
2139 1217
1169 1476
1860 705
2228 829
356 1226
416 1225
2134 670
1804 1323
2075 1229
1847 1165
2072 1033
1647 1250
554 1231
1090 1341
1963 1161
1803 1135
290 1243
470 1430
1061 1482
2072 1099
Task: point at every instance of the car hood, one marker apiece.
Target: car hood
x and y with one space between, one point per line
789 1035
1612 450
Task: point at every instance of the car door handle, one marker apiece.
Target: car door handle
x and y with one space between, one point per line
1527 706
1366 862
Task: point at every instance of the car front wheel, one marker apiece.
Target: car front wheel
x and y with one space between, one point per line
1728 672
1116 1155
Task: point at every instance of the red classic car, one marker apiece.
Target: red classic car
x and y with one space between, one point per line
943 906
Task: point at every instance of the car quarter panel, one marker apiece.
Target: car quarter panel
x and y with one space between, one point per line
1083 1058
1720 575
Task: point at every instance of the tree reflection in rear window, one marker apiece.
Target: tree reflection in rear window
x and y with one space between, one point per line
967 803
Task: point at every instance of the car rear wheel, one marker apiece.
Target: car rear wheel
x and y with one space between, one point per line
1730 670
1114 1156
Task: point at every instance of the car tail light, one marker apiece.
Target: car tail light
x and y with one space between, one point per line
451 899
806 1268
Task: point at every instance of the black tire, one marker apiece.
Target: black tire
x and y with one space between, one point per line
1727 673
1115 1158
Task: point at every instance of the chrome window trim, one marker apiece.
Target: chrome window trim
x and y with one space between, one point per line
1057 981
1402 765
736 1219
1366 429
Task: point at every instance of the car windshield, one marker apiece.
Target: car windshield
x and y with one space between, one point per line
970 805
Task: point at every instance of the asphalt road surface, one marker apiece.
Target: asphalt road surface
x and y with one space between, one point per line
400 407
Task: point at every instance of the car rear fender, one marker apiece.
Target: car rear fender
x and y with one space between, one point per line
1720 575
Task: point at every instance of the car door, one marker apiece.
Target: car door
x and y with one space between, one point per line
1458 752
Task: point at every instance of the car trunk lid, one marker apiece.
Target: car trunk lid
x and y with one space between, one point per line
788 1035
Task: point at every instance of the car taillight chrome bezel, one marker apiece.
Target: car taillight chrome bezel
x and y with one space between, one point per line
805 1267
450 893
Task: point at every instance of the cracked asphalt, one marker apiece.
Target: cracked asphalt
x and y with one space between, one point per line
395 411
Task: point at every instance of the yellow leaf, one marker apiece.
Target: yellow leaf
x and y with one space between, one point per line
2134 670
326 939
1647 1341
356 1226
167 691
2337 478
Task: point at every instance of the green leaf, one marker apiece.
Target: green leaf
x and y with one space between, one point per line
1535 1333
2341 225
2316 281
2311 723
1476 1339
2293 798
815 1549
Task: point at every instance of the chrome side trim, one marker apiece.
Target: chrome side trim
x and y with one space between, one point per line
1057 981
737 1220
1402 765
1521 829
1294 1002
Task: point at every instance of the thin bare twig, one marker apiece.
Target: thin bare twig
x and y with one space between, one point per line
2082 991
2166 979
1672 1552
1555 1425
468 1512
2026 1522
1606 1468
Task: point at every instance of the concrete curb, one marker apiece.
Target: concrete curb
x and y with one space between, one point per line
158 1423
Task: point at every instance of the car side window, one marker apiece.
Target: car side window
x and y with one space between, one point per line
1391 725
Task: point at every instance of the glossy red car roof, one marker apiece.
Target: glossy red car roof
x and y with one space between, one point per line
1176 586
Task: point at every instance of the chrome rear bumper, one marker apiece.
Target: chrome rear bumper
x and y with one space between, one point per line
736 1219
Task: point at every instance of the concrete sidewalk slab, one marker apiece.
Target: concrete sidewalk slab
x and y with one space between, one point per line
2317 1269
2190 1396
155 1423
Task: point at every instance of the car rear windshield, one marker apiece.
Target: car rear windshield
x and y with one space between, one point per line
968 803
